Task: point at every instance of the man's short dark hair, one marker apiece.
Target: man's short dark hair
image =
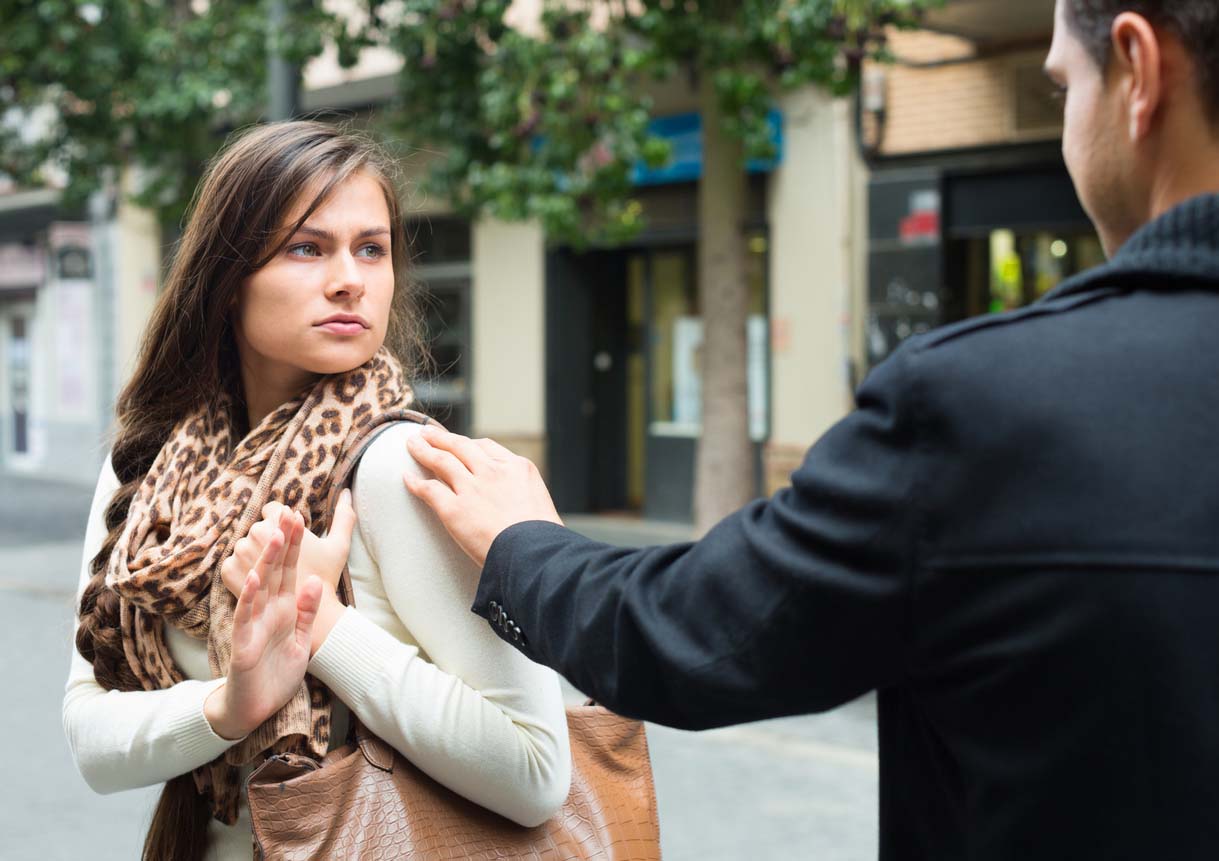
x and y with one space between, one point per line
1195 22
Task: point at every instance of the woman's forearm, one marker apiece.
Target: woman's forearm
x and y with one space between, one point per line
128 739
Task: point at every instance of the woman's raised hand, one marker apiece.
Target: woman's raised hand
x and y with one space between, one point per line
323 557
272 630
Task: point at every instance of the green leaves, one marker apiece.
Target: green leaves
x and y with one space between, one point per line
545 121
550 122
544 124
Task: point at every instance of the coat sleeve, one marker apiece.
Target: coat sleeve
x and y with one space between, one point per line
791 605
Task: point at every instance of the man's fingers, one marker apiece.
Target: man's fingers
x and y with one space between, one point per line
493 449
307 604
436 494
343 521
472 455
443 464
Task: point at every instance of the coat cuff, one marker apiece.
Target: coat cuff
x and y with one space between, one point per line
494 599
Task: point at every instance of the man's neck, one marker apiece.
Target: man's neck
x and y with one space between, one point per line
1186 174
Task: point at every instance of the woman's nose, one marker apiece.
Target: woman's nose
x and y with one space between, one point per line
346 279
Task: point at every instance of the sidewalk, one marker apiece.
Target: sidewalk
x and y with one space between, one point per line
802 787
627 531
36 511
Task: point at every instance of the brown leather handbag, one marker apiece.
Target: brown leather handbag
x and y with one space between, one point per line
367 801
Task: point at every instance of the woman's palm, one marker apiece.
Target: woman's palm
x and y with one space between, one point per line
271 629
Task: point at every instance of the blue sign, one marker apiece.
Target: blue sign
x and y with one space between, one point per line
684 132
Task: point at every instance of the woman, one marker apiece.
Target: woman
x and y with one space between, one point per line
265 360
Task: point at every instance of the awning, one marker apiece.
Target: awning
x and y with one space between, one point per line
993 21
24 214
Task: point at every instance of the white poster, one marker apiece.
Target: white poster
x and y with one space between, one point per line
687 372
688 381
758 352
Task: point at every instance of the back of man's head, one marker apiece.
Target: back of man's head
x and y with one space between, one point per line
1141 125
1194 22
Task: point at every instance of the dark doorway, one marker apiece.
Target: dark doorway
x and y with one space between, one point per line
586 348
623 377
623 401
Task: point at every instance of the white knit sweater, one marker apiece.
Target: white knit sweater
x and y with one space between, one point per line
412 661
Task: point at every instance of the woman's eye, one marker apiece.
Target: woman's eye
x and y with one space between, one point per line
372 250
305 249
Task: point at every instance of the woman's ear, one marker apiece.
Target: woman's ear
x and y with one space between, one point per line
1137 57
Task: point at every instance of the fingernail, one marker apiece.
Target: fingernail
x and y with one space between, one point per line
432 430
346 494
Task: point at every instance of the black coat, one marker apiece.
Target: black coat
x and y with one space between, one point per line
1014 539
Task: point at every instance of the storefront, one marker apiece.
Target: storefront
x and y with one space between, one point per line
623 379
442 271
952 240
50 415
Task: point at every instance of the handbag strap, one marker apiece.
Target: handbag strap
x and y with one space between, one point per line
378 753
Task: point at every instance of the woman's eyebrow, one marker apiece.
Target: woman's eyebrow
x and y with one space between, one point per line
330 237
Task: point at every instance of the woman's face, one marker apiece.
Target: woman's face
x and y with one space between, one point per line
321 304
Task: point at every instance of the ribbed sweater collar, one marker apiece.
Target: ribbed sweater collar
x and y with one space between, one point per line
1180 248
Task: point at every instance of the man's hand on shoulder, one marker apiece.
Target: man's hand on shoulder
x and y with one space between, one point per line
479 488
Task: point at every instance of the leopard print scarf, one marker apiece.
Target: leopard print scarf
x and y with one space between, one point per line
203 493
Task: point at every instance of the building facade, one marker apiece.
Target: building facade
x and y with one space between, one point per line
587 362
76 287
970 207
939 194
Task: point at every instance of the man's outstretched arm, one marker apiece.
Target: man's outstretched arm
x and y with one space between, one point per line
791 605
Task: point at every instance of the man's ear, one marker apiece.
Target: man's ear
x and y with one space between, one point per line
1137 58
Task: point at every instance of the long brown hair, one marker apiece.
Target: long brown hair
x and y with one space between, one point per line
188 356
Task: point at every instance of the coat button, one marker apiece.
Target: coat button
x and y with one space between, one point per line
494 612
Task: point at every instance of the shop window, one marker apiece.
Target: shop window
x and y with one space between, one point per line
439 240
677 339
440 251
1012 269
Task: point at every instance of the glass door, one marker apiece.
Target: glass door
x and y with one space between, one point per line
664 379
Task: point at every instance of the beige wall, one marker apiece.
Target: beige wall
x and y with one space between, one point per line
965 101
137 265
812 258
508 322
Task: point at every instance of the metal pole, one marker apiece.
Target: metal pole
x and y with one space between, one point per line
283 77
102 210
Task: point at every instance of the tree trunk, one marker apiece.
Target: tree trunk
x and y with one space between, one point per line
724 473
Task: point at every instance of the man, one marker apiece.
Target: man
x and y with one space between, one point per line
1014 539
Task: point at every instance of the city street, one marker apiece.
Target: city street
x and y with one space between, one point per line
796 788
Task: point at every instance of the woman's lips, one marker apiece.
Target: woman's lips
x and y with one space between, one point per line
337 328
